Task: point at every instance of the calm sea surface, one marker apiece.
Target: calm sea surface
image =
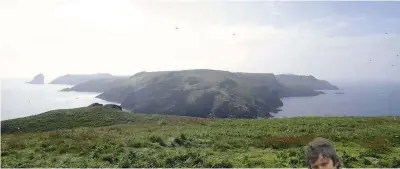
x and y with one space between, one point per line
19 99
378 99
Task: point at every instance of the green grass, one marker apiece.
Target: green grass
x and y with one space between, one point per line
79 117
95 137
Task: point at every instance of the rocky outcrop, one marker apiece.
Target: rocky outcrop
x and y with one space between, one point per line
96 105
113 106
38 79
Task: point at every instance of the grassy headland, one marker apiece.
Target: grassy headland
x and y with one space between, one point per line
99 137
200 92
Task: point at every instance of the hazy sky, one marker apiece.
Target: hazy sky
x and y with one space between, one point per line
330 40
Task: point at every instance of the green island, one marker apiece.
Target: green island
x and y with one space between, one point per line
107 137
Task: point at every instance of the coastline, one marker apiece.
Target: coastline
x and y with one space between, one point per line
20 99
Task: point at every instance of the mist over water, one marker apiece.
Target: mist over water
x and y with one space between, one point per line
19 99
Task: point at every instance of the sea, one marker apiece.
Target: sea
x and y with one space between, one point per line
353 99
19 99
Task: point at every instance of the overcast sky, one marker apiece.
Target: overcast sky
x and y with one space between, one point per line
330 40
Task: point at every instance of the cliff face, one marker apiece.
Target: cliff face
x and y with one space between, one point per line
77 79
203 93
200 93
38 79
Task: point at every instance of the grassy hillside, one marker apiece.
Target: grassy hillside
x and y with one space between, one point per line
310 82
197 79
199 93
74 79
79 117
97 85
203 92
137 140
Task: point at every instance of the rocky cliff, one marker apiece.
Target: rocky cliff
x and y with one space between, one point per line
204 93
38 79
200 93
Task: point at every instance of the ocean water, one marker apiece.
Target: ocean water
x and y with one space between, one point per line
19 99
359 99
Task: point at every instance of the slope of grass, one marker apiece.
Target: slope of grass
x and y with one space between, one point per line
134 140
78 117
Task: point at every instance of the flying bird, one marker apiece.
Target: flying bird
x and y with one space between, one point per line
233 34
176 27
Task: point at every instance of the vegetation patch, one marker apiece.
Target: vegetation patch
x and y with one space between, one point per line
86 138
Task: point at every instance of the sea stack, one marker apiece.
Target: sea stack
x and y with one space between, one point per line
38 79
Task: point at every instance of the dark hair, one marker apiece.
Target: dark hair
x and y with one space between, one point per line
321 146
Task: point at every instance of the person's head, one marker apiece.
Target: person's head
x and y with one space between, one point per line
321 154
